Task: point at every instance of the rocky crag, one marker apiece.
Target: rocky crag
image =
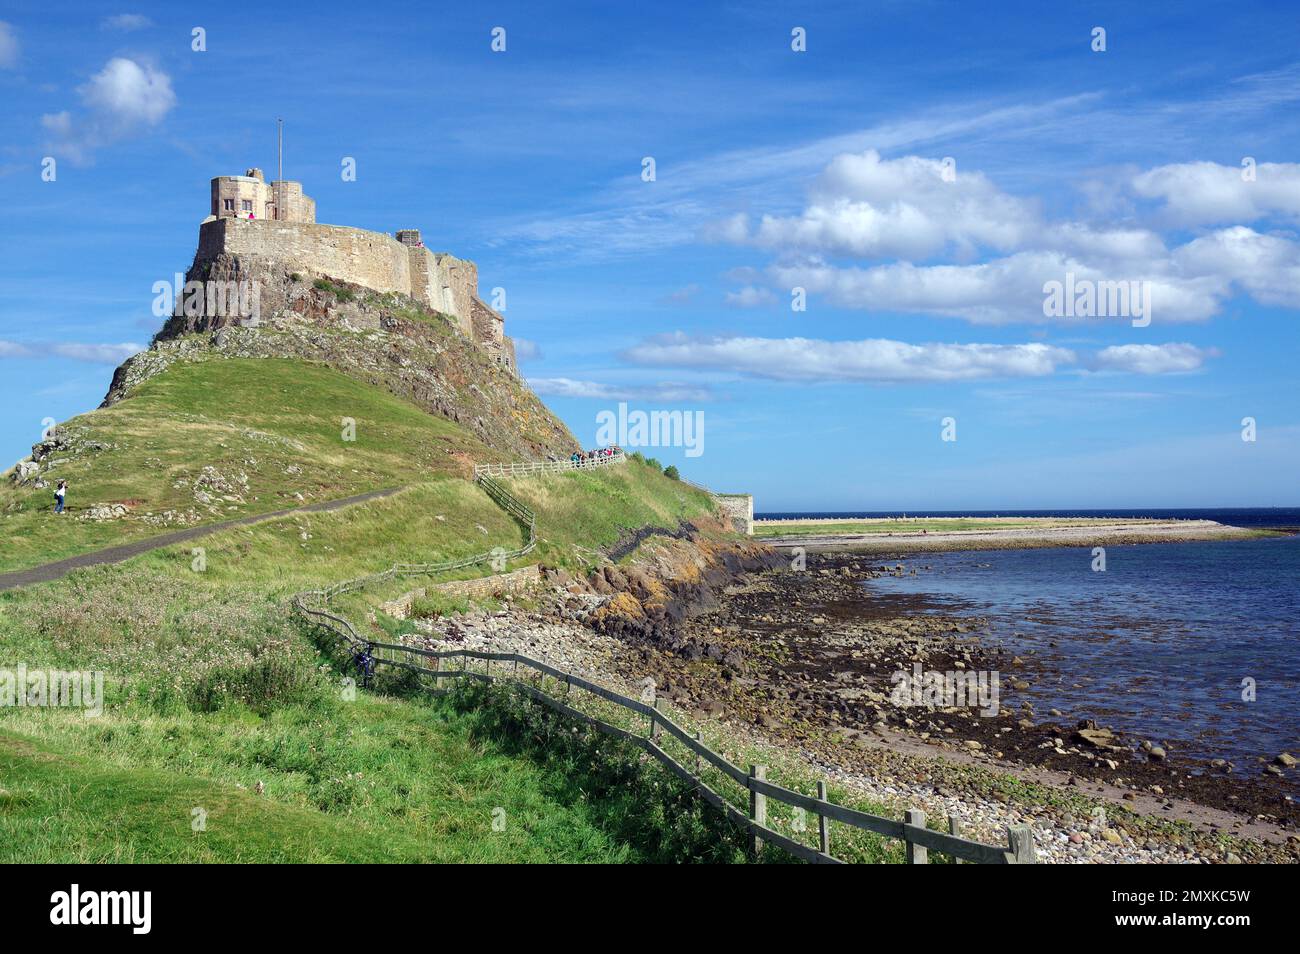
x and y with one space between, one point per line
387 340
673 576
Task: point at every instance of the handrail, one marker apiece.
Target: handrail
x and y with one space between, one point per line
547 466
302 603
912 831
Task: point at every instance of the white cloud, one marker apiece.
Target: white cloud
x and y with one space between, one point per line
1001 291
750 297
8 47
876 359
667 391
1151 358
1206 193
526 350
113 354
58 124
630 219
122 99
130 92
1267 266
126 22
1109 245
869 207
98 353
887 213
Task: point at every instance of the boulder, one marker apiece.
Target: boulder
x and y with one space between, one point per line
1102 739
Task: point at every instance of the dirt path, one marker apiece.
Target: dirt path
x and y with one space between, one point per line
60 568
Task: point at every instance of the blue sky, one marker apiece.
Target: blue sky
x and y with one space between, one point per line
774 170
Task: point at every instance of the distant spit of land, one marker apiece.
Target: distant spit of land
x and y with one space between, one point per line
986 533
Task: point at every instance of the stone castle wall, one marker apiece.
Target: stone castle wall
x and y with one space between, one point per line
372 259
450 285
350 255
489 327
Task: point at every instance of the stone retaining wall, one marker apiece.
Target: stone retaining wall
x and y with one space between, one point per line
500 584
740 509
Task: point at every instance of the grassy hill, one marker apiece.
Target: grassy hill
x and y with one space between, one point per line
205 442
211 688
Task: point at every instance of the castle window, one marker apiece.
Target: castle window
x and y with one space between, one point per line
229 205
246 205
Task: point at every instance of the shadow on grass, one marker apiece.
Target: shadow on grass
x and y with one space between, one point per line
626 792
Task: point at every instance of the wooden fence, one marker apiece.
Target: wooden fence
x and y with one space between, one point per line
313 605
546 466
919 840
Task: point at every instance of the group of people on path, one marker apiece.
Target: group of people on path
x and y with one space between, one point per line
582 457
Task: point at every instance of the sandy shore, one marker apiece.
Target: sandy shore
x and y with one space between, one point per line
1043 532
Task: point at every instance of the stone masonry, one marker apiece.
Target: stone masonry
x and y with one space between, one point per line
501 584
739 509
250 197
283 229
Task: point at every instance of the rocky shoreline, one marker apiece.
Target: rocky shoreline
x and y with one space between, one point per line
805 662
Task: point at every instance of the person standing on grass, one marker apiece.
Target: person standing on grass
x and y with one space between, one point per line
59 493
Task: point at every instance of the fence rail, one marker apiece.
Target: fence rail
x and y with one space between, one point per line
546 466
912 831
313 605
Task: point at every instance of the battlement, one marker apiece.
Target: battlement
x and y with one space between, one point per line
277 222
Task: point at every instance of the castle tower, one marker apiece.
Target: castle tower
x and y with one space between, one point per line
255 220
250 197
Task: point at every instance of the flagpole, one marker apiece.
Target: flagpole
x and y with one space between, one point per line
280 154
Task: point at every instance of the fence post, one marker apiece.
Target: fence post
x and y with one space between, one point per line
697 754
1021 840
656 730
916 854
823 823
757 803
954 828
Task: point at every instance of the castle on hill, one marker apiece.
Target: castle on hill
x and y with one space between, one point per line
276 221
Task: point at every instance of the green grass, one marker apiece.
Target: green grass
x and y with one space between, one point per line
580 511
277 423
212 686
368 781
340 292
438 604
157 612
